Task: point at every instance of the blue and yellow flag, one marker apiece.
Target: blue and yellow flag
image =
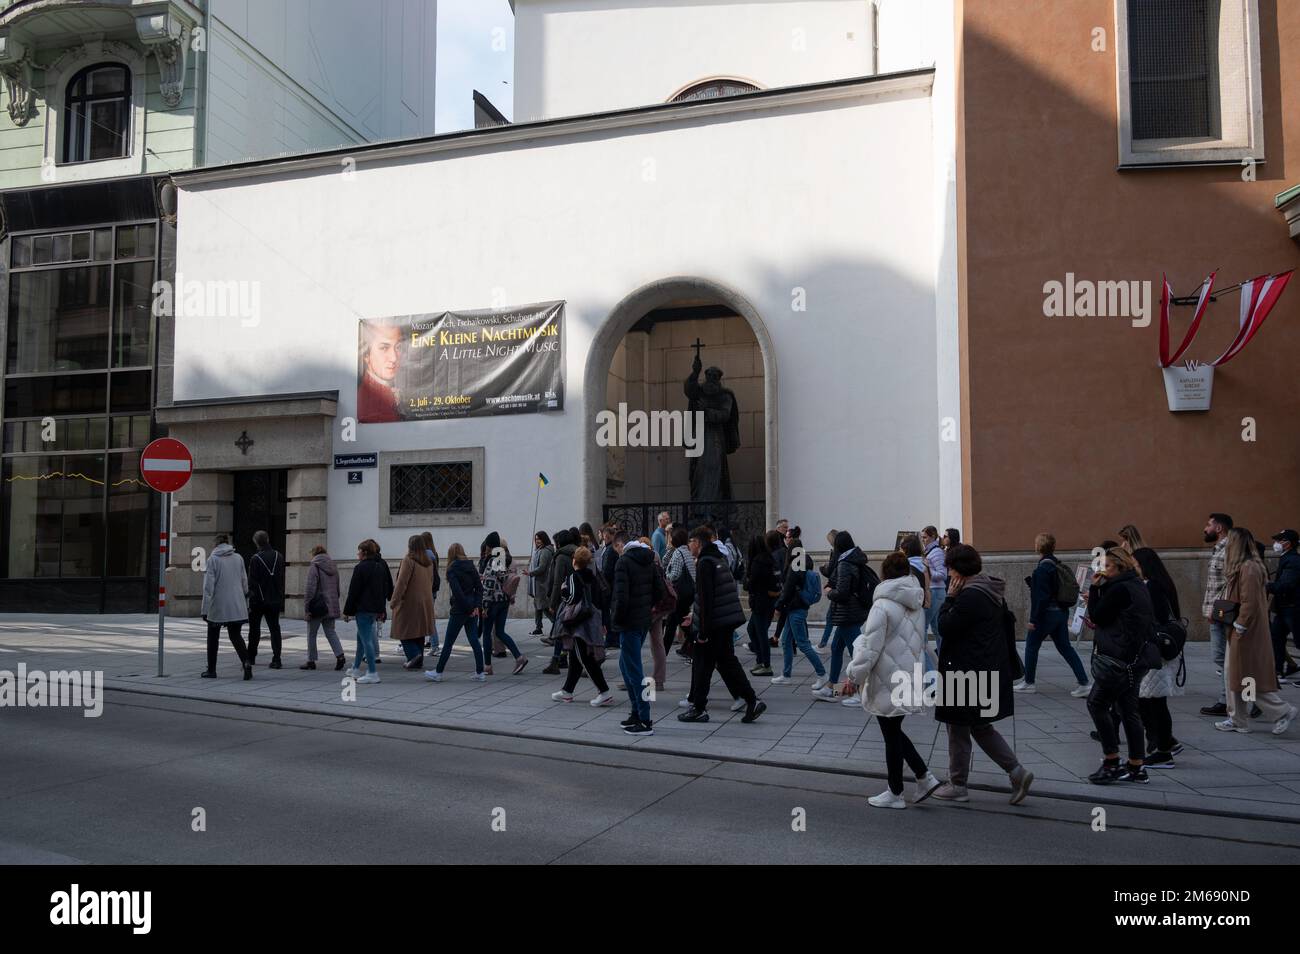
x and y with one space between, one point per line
541 480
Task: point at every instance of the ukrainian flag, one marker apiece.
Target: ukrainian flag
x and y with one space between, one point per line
541 480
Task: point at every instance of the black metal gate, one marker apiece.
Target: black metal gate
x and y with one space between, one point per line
744 518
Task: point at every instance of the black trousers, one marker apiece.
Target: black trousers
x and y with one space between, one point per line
1159 724
718 653
582 654
255 617
236 640
760 621
899 749
1122 694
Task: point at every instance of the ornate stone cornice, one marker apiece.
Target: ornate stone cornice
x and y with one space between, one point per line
16 67
168 38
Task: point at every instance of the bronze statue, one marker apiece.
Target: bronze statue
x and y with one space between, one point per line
710 476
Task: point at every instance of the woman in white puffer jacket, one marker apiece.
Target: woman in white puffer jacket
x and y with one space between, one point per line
888 659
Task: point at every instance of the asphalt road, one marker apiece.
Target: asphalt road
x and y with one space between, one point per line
277 787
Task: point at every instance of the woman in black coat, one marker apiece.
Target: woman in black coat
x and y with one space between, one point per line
369 590
978 633
1121 612
466 611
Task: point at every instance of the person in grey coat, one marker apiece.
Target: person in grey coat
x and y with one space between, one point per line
322 591
225 603
539 577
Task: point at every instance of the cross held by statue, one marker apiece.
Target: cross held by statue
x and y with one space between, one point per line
697 346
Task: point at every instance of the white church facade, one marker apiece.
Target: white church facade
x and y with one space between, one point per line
766 184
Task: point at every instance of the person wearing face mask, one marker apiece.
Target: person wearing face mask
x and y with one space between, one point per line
1284 588
1248 669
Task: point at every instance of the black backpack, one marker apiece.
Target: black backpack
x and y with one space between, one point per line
1171 636
602 594
866 584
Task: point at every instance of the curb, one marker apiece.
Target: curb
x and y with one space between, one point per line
1046 789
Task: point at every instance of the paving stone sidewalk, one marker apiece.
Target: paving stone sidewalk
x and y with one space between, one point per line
1256 775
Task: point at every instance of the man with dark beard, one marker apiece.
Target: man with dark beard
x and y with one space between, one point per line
1216 583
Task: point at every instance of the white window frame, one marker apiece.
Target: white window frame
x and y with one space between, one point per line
1240 107
474 518
57 78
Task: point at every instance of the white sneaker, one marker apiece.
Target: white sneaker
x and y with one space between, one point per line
853 700
825 693
781 680
369 678
433 675
887 799
737 705
1282 724
819 684
350 674
683 703
925 787
604 699
1023 686
479 677
1080 691
562 696
1227 725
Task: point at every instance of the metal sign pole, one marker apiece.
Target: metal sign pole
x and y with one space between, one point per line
164 519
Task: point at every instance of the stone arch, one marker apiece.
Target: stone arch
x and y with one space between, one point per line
605 343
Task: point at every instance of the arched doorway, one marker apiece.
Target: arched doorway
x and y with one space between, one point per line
711 313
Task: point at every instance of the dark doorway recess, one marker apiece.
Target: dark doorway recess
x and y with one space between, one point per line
261 500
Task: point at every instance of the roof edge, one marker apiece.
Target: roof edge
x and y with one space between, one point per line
826 91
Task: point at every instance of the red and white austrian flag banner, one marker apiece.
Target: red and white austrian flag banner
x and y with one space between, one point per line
1258 296
1207 286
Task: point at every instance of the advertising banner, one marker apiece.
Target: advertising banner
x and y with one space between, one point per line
461 364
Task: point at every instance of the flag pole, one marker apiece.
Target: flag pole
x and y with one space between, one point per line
533 539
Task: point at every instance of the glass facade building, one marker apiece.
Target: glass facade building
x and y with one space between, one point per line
79 388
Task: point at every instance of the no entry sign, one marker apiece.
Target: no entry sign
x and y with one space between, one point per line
166 465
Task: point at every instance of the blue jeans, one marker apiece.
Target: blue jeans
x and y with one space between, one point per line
796 636
1219 649
937 595
367 644
1052 627
629 664
412 648
843 639
454 623
827 628
496 624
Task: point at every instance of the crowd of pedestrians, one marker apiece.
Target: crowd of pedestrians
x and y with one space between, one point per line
594 592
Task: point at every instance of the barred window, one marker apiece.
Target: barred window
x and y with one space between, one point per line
1173 68
431 488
